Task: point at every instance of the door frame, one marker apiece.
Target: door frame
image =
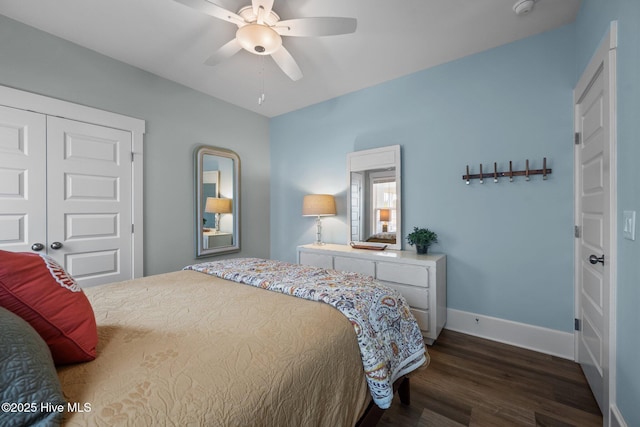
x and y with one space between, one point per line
23 100
605 54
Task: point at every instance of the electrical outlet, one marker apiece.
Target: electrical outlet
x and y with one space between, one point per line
629 225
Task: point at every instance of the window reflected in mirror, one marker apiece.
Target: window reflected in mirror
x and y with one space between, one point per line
384 203
373 206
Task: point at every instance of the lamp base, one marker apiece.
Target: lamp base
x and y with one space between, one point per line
318 241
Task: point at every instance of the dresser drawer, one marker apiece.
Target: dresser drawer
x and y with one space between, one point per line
417 297
422 317
355 265
318 260
403 273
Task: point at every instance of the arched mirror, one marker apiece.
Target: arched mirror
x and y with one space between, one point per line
374 214
217 201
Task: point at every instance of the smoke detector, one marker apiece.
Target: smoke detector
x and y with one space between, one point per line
522 7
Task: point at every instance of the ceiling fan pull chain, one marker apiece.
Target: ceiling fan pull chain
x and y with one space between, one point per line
261 97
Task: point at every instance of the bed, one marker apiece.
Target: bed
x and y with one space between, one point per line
389 238
187 348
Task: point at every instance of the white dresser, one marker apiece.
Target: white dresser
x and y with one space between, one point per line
421 279
215 239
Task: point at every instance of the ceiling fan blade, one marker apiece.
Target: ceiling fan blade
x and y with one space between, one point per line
266 6
316 27
287 64
225 52
214 10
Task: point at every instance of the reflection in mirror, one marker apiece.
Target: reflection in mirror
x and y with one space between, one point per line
217 201
374 196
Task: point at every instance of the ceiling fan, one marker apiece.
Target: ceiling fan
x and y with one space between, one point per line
260 30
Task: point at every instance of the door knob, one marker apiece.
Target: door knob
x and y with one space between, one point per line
37 247
56 245
593 259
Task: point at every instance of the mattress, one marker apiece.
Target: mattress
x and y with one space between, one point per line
186 348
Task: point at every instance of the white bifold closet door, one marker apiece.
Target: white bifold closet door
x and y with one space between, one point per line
23 193
65 186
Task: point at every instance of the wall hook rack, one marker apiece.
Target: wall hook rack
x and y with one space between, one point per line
527 172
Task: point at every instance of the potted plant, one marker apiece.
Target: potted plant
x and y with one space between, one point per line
422 238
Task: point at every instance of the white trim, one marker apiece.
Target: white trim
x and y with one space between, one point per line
543 340
613 35
616 419
16 98
137 203
23 100
613 201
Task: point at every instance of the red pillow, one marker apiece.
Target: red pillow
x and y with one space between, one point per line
38 289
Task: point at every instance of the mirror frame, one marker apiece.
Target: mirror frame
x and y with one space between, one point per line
374 159
200 152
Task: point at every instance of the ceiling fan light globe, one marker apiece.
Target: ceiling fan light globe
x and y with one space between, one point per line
523 7
258 39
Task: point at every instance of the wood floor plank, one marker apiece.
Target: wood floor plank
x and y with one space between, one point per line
482 418
430 418
477 382
549 421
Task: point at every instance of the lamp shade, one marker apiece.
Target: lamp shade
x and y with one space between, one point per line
218 205
385 214
318 205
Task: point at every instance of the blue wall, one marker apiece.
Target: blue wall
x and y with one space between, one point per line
509 246
591 25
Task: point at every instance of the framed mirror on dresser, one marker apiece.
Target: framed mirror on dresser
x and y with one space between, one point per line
374 197
375 219
217 207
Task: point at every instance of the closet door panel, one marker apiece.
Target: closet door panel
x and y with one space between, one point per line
89 187
22 179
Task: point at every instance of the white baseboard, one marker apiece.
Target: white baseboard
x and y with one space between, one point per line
544 340
616 419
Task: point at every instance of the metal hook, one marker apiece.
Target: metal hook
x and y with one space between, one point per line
495 172
510 171
481 176
467 175
544 168
527 171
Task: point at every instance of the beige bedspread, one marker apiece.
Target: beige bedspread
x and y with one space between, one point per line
186 348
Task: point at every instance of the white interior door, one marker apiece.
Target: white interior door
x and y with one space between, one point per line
89 192
595 161
22 179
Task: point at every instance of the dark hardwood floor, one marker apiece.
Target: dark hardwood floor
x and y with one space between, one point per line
477 382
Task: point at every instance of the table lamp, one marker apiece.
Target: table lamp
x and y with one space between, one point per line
385 217
318 205
218 206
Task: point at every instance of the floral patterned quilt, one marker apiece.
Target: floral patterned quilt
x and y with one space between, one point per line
389 338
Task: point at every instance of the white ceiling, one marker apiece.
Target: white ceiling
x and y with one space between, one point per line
393 38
